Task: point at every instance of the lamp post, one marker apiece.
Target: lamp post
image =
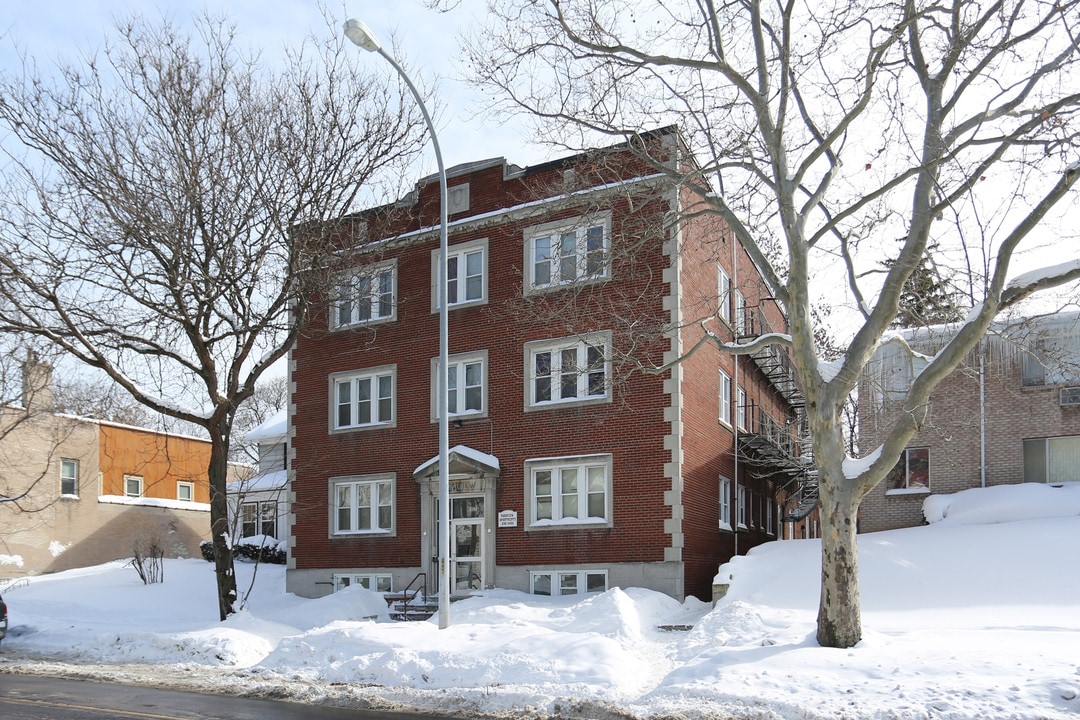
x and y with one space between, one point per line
359 34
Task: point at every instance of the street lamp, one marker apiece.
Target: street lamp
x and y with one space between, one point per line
359 34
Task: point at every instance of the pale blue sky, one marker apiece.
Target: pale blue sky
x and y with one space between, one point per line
427 40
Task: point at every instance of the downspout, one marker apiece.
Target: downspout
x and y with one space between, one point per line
982 414
735 381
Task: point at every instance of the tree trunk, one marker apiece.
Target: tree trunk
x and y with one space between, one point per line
218 475
839 622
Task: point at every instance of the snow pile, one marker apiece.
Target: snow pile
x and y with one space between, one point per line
1004 503
967 617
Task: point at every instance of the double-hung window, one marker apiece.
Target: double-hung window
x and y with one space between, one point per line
362 505
362 399
742 318
466 385
366 296
725 398
911 473
466 274
740 507
69 477
570 491
723 294
566 253
740 409
259 518
725 503
569 370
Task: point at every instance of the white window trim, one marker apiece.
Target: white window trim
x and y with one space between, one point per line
460 360
579 342
139 480
374 480
725 398
191 490
723 294
740 507
725 503
740 408
373 270
364 374
557 463
460 250
74 478
579 225
556 579
770 526
358 578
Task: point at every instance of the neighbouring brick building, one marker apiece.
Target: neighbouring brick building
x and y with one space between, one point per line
571 469
88 491
1009 414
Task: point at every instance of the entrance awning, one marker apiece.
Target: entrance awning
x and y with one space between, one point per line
463 460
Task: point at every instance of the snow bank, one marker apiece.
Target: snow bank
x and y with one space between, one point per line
1004 503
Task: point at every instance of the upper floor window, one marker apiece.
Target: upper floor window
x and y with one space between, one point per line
1053 360
466 274
185 491
466 385
725 503
362 505
723 294
725 398
362 399
69 477
740 409
742 318
911 473
569 370
571 490
366 296
133 486
569 252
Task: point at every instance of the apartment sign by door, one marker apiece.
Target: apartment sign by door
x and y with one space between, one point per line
508 518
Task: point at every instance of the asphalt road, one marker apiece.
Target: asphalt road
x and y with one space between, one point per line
25 697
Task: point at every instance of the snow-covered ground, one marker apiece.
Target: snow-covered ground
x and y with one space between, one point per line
974 616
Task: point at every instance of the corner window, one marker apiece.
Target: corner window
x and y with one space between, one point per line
567 583
570 491
725 398
466 275
466 385
362 399
362 505
1052 460
185 491
366 296
911 473
568 370
725 503
376 583
559 254
133 486
69 477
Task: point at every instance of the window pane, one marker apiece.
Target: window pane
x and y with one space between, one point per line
542 383
896 477
541 585
569 484
597 384
451 279
344 393
363 299
363 401
919 468
451 388
594 251
569 373
363 518
474 275
386 293
1063 459
474 399
382 583
543 482
542 261
568 257
568 584
1035 460
344 315
595 582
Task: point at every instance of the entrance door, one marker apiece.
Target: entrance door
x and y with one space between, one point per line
467 544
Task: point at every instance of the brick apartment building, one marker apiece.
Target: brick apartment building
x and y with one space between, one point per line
89 491
571 470
1009 414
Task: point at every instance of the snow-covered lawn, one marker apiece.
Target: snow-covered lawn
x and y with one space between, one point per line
974 616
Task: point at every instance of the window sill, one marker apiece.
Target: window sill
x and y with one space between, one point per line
725 526
910 491
570 524
530 289
362 534
362 428
576 402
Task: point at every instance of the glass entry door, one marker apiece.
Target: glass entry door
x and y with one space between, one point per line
467 544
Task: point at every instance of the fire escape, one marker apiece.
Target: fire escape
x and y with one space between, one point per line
778 448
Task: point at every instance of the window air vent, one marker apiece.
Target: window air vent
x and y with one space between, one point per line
1070 396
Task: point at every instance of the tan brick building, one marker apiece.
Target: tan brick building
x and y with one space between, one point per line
1009 414
80 492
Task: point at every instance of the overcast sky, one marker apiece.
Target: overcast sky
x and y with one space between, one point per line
426 40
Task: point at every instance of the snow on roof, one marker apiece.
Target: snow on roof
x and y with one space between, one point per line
271 480
273 429
464 452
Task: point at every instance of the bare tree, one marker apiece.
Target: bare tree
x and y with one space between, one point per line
168 206
825 131
270 396
100 400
